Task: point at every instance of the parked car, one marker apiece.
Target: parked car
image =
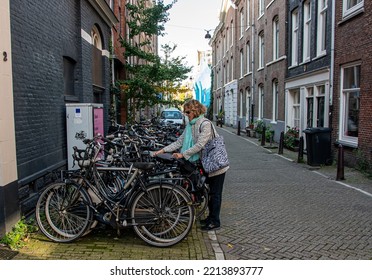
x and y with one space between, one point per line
172 115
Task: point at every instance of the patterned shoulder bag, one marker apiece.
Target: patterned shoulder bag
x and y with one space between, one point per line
214 154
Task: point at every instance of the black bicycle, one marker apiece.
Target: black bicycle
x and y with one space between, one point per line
160 211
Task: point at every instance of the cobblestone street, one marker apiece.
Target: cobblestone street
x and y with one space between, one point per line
273 208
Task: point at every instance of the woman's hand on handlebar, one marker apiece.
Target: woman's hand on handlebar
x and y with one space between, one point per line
154 154
177 155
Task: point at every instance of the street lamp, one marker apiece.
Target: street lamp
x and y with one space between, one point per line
208 36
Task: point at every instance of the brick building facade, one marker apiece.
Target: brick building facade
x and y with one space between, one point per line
249 52
352 125
308 84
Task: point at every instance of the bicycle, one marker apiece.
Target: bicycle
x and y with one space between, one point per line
186 174
160 212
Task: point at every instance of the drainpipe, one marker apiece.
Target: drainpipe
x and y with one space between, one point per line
333 24
253 58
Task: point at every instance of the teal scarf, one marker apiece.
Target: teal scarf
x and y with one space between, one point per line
188 142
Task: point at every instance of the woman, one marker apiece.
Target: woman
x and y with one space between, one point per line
196 135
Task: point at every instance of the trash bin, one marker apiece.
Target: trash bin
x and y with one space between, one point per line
318 146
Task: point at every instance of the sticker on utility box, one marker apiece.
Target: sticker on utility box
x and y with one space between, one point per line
77 113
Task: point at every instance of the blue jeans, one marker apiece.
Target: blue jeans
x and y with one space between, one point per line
215 198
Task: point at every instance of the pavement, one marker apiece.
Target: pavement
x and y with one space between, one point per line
273 208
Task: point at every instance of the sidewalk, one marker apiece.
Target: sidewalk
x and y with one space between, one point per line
351 175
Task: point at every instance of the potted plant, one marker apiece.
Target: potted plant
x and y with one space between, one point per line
291 138
219 117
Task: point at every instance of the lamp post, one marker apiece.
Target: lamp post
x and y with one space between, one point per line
208 35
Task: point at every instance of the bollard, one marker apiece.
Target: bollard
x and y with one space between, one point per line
340 164
301 150
239 128
281 143
263 136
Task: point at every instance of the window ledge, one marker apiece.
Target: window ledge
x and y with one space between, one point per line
352 144
276 60
351 15
293 66
323 54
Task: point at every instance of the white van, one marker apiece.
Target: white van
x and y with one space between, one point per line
172 115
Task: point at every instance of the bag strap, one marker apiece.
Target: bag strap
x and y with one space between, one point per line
214 134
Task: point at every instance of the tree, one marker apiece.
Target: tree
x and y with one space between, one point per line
148 75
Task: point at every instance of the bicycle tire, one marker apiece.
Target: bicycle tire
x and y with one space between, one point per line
63 212
202 205
163 215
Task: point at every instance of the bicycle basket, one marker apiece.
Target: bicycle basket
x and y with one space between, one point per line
82 157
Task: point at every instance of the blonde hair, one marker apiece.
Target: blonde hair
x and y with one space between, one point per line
195 106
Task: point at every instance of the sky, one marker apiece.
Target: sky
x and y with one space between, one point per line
186 28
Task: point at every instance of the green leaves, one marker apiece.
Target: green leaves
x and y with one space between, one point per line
148 74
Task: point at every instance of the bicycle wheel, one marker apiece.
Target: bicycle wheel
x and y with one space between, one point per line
63 213
162 215
200 199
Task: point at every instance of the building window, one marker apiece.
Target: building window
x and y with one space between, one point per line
227 72
315 106
248 11
320 106
97 60
248 58
248 104
241 23
310 108
322 29
261 102
295 95
224 43
232 69
294 43
261 50
261 7
241 63
350 103
242 104
275 101
224 75
232 34
69 76
306 32
352 7
275 38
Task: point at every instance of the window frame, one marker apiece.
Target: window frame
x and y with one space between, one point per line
275 88
294 38
306 32
355 9
241 63
261 8
261 50
344 105
275 38
261 101
322 27
248 58
242 16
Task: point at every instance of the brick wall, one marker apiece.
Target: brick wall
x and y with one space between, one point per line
43 32
353 42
